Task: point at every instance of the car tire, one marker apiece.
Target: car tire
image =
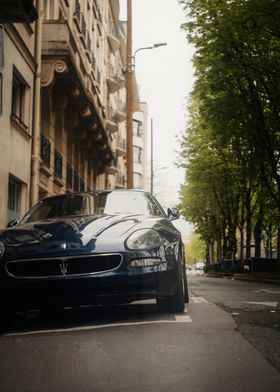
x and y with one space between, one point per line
176 302
186 287
6 318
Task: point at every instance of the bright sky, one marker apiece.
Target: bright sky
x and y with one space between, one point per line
165 79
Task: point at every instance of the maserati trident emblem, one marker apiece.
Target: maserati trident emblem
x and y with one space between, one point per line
63 246
63 268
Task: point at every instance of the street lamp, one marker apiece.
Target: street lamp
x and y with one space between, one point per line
155 46
153 170
129 94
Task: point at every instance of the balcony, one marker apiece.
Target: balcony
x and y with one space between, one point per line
18 11
121 182
112 121
73 90
113 168
121 112
113 79
121 148
112 37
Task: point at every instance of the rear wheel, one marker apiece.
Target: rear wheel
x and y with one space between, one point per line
176 302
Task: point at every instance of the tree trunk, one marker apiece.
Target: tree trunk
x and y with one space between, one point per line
258 232
219 249
248 236
278 250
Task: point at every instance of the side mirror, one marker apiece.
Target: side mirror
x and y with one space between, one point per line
12 223
173 213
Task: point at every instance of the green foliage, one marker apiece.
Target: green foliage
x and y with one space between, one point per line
231 147
195 250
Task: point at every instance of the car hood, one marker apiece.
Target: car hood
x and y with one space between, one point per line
70 235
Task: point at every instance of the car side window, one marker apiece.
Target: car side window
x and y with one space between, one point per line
153 207
78 205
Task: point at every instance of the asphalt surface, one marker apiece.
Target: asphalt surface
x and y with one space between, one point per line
132 347
254 306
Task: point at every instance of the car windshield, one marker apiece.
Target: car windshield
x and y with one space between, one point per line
109 203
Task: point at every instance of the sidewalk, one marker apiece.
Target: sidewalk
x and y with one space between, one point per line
261 277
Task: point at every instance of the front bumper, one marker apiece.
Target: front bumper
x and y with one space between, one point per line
119 286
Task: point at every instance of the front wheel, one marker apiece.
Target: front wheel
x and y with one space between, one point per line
6 318
176 302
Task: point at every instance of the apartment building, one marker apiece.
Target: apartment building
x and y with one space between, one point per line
17 70
62 126
140 146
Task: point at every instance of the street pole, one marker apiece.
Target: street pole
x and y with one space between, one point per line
152 157
129 99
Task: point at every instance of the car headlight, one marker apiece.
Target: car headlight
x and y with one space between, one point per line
2 248
143 239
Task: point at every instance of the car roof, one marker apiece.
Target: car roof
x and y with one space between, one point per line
94 192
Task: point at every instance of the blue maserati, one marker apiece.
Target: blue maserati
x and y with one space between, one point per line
111 246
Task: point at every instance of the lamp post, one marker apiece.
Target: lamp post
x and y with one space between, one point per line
155 46
130 62
153 170
129 99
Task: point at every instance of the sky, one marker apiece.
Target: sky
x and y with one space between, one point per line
165 79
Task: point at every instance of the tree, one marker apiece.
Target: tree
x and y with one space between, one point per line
232 144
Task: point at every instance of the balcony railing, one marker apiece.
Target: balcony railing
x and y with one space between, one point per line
88 43
114 78
77 9
58 161
98 76
76 182
69 176
112 37
83 25
122 144
114 73
93 61
45 151
121 112
82 185
111 114
121 181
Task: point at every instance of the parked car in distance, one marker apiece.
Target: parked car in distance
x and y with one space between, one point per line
199 266
111 246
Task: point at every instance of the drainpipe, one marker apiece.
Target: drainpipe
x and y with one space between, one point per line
35 157
129 99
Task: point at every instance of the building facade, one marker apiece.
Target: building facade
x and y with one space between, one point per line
140 146
62 124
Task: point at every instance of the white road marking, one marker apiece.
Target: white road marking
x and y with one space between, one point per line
199 300
268 291
183 318
274 304
179 318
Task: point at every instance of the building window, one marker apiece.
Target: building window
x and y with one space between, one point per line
137 127
18 93
14 195
137 152
58 162
45 151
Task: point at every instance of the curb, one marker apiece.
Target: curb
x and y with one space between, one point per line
245 279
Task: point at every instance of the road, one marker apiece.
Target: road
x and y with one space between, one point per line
227 340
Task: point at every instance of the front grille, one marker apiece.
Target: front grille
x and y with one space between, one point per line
63 266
